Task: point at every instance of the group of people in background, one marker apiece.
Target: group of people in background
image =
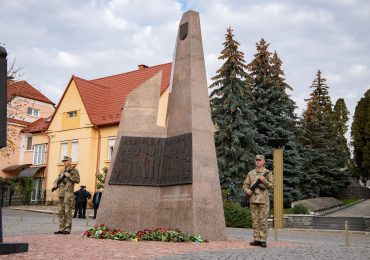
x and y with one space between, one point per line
81 198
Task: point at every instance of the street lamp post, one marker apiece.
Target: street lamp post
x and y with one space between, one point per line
3 96
5 248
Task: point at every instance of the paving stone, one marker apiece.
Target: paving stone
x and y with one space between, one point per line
37 230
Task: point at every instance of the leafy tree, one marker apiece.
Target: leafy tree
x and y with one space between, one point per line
26 185
233 117
324 174
360 133
340 118
9 186
275 115
101 177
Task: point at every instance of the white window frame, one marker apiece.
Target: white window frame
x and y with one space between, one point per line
63 150
33 112
74 151
111 143
39 154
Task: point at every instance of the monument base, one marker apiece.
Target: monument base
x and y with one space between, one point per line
12 248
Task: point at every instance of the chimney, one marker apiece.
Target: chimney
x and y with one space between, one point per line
142 66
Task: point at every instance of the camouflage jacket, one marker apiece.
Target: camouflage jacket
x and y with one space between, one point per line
261 194
67 185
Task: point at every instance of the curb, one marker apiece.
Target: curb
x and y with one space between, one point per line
35 210
40 211
326 230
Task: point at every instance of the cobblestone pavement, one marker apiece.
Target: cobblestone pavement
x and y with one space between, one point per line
36 223
36 229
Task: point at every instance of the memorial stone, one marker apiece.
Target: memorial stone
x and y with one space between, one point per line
168 176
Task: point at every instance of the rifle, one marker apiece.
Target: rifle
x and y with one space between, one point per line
258 182
59 181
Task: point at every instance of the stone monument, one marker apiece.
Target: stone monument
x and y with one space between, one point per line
167 176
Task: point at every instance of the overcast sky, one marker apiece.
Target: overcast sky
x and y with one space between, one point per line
55 39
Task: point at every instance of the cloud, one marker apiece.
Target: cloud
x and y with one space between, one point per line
67 59
96 38
360 70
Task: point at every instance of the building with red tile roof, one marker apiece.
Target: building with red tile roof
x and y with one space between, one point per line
26 105
24 89
85 123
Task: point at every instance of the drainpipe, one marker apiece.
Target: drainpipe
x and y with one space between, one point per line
47 166
97 157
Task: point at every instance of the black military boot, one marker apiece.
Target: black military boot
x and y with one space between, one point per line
263 244
255 243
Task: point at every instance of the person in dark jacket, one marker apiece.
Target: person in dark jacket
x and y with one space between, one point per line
96 200
87 197
81 200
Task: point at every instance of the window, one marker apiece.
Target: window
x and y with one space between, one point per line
29 143
111 142
72 114
63 150
74 151
33 112
39 152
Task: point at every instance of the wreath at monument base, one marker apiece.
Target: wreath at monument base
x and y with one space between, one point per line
158 234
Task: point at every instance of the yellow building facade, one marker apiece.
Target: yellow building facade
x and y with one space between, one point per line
77 129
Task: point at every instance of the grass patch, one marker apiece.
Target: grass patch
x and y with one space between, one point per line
347 201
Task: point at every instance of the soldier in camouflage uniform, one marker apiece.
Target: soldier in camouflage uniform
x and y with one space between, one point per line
66 196
259 200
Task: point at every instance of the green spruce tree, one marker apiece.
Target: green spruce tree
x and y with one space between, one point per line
233 119
324 176
275 115
360 133
283 108
261 74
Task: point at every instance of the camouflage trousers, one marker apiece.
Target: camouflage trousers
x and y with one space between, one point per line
66 204
259 214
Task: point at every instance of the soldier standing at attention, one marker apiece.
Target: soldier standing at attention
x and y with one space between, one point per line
66 196
259 200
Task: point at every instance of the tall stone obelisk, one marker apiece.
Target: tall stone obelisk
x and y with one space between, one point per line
189 112
168 177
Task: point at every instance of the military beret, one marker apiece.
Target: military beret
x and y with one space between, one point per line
66 158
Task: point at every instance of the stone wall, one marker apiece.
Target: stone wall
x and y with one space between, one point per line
298 221
295 221
355 192
318 205
367 223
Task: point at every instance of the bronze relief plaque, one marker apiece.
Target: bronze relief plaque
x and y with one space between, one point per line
150 161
